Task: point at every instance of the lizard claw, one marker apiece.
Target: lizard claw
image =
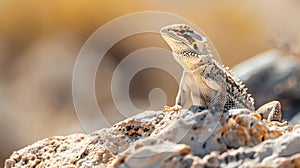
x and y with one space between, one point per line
175 108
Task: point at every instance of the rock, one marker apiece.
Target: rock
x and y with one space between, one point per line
295 120
159 139
271 153
273 75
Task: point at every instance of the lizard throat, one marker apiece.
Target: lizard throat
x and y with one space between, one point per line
191 61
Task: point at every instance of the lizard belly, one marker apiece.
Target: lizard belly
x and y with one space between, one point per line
201 94
207 93
198 99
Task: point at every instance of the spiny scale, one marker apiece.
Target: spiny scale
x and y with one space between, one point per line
237 96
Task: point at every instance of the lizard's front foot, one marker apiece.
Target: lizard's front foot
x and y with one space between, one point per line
175 108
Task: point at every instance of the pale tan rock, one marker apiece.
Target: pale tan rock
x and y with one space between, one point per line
159 139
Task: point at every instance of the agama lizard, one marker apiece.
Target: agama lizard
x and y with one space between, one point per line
210 84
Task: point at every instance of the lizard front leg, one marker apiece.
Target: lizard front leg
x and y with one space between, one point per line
182 94
180 100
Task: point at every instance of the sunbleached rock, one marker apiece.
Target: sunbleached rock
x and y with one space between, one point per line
159 139
273 75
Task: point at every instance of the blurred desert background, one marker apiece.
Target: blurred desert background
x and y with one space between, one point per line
40 40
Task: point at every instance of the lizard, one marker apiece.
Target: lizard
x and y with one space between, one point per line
210 84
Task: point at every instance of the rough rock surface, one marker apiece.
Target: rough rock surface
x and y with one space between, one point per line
159 139
273 75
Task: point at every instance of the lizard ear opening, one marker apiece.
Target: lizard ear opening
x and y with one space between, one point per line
196 48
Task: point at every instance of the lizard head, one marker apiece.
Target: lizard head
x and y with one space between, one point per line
189 47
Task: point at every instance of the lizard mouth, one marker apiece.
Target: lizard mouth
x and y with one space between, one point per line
176 39
179 46
171 37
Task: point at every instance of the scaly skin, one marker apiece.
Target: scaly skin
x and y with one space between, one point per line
210 84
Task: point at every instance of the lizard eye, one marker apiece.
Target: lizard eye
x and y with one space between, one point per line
182 31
